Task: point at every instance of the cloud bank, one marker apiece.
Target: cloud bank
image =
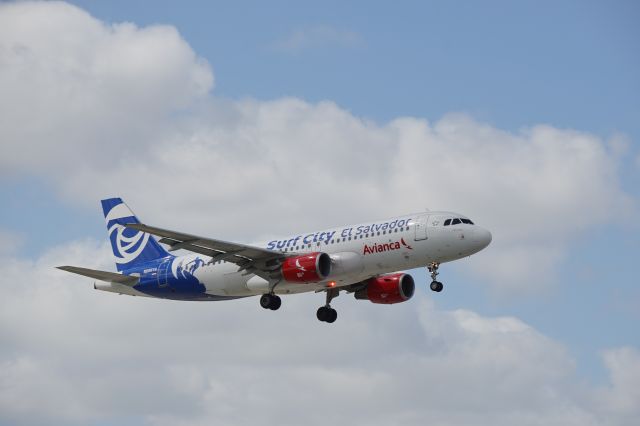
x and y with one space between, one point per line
71 354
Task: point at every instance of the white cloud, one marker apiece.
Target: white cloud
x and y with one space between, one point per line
71 354
76 91
622 397
318 36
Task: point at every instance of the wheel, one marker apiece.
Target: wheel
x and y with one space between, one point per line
333 315
436 286
326 314
265 301
323 313
275 303
270 301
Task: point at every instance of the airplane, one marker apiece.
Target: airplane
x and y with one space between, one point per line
365 260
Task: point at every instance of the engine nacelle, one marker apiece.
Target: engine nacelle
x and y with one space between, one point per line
346 263
388 289
309 268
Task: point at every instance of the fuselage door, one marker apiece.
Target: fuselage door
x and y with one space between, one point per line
421 227
163 273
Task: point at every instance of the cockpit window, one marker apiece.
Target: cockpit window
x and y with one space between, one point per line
455 221
447 222
467 221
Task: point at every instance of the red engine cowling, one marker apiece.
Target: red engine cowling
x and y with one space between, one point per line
388 289
310 268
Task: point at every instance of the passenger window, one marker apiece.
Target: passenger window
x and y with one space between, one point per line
455 222
447 222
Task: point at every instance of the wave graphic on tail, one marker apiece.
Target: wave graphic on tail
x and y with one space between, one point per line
130 247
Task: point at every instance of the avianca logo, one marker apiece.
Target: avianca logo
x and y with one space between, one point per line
381 248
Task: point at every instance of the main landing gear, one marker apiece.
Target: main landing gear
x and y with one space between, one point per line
435 284
270 301
326 313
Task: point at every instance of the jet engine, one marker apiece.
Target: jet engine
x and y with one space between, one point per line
309 268
388 289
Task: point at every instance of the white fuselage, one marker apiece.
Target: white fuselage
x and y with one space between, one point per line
358 252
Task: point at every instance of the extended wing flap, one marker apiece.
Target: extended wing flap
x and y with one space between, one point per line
110 277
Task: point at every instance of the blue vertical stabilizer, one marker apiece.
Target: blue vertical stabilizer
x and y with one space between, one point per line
130 247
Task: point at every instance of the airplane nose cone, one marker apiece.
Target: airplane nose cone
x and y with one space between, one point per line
482 237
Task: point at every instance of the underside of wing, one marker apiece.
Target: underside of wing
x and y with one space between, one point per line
110 277
252 259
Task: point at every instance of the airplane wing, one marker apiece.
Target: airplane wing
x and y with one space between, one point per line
251 259
110 277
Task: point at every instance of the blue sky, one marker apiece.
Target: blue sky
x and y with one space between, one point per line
565 63
510 66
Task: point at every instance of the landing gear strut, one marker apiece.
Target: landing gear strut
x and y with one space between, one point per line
435 284
270 301
326 313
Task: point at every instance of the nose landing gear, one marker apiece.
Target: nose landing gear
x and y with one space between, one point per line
435 284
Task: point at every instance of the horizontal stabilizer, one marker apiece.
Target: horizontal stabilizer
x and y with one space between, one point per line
110 277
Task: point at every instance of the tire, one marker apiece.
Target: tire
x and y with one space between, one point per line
332 316
275 303
265 301
434 285
440 287
322 314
